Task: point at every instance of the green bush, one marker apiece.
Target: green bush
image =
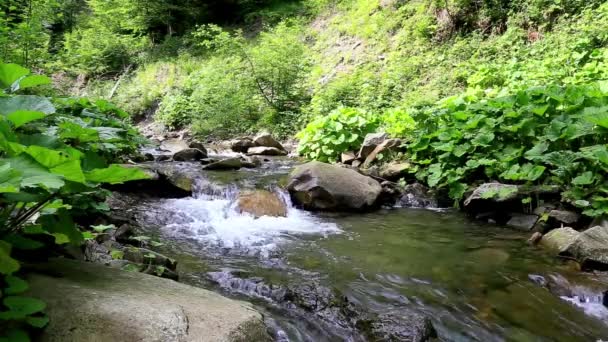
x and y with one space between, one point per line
398 123
54 156
342 130
553 135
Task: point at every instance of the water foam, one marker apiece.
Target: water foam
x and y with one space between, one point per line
210 216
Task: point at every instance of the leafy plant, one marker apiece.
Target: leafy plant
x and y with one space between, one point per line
342 130
540 135
53 152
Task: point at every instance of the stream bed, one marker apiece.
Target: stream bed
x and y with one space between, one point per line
476 282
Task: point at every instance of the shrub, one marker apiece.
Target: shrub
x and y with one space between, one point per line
552 135
344 129
398 123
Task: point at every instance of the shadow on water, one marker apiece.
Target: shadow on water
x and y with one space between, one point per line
474 281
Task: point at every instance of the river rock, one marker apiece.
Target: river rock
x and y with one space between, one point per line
388 144
267 140
401 325
90 303
371 141
564 216
393 171
225 164
173 145
417 195
198 145
261 203
189 154
522 221
590 248
241 145
559 240
347 157
265 151
321 186
146 256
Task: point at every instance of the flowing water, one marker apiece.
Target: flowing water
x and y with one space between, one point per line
476 282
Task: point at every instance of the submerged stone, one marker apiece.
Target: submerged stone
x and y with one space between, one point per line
265 151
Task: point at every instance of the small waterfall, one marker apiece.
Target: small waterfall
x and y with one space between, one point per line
210 217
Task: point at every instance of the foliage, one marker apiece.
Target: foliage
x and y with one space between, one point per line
344 129
398 123
553 135
54 155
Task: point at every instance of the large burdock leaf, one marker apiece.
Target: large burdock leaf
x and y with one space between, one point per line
32 81
31 103
33 173
20 307
11 73
58 162
10 179
21 117
115 174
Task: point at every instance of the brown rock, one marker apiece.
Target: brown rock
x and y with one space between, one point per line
261 203
348 157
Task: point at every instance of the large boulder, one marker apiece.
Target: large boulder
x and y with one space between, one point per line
190 154
591 248
198 145
261 203
267 140
370 142
265 151
559 240
241 145
321 186
173 145
91 302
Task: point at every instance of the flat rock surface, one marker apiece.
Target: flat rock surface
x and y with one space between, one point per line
88 302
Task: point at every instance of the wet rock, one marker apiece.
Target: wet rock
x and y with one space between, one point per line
189 154
564 216
99 303
163 157
241 145
225 164
356 163
198 145
390 193
265 151
265 139
261 203
417 195
251 162
97 253
370 142
348 157
522 221
559 240
401 325
394 171
599 221
321 186
173 145
590 248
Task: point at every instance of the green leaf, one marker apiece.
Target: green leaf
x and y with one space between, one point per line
117 254
11 73
15 285
10 179
61 223
21 117
33 174
33 81
102 228
15 335
70 130
115 174
23 243
584 179
20 307
31 103
8 265
537 150
38 322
